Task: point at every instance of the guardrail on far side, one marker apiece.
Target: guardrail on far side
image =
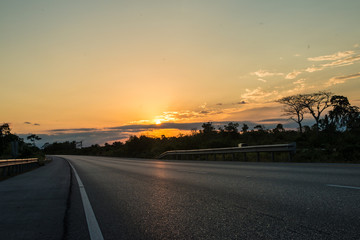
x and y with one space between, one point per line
192 154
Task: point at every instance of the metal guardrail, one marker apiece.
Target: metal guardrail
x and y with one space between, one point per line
12 167
289 148
10 162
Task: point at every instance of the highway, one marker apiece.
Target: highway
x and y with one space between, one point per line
151 199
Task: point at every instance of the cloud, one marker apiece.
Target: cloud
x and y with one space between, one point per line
341 79
74 130
263 73
339 59
300 81
258 94
262 80
241 102
332 57
343 62
219 104
277 120
313 69
356 45
29 123
292 75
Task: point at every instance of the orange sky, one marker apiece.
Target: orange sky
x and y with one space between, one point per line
99 65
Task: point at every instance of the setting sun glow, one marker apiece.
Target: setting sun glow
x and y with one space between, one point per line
103 72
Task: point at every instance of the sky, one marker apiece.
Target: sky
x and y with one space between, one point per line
100 71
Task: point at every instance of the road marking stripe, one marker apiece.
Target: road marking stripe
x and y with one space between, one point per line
93 226
341 186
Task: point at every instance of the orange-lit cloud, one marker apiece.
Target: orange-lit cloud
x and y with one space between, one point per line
264 73
259 95
332 57
293 74
342 79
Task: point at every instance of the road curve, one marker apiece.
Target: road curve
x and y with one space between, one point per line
151 199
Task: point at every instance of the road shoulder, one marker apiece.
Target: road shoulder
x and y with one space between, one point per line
33 204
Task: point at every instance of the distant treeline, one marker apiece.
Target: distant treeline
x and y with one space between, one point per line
335 137
12 146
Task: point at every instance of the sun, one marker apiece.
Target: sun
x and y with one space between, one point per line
157 121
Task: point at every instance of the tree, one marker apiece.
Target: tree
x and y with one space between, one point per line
32 138
244 128
5 129
259 128
343 115
208 128
231 127
316 103
279 128
295 108
4 132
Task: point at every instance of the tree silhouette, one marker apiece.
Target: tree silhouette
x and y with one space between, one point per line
231 127
295 108
208 128
4 129
316 103
244 128
32 138
343 114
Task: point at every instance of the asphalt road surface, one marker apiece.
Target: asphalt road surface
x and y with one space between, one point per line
150 199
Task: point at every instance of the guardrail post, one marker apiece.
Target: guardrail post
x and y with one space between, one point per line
258 156
273 156
245 157
290 156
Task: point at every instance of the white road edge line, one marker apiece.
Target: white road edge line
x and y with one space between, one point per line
341 186
93 226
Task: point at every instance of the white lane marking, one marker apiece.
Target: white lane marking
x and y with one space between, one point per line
191 171
93 226
341 186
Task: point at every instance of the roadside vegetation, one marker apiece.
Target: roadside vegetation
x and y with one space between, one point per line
12 146
335 136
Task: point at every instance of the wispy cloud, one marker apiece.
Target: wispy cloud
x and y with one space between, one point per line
314 69
343 62
258 94
73 130
263 73
29 123
276 120
293 74
332 57
299 81
261 80
342 79
240 103
338 59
